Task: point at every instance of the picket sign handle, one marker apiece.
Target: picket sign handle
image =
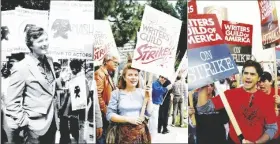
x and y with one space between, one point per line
229 112
275 75
142 114
191 105
237 80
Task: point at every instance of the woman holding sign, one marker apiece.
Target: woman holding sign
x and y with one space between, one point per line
126 108
209 121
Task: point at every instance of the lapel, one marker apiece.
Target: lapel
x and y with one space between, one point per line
34 70
53 73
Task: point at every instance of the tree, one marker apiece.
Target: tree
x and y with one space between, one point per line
103 8
126 20
181 8
162 5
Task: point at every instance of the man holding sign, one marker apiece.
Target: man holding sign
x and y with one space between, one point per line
254 114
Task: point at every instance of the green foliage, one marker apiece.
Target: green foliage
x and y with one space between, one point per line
125 16
29 4
103 8
181 7
126 20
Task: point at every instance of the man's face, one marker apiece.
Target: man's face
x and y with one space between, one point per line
265 86
250 78
57 71
162 80
40 46
112 65
75 71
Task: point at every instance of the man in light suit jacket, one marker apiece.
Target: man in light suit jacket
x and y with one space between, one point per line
30 105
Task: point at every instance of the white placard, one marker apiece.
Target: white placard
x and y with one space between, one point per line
8 34
26 18
157 42
104 41
71 28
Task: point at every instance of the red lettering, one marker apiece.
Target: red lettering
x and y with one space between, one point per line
148 54
99 53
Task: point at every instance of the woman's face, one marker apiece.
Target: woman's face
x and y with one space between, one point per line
210 89
131 78
40 46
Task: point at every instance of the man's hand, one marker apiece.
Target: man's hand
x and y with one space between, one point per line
246 142
169 86
277 111
277 99
99 132
191 111
171 97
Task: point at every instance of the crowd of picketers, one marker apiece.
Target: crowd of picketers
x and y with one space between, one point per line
121 103
254 105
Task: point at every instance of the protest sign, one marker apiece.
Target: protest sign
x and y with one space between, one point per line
71 29
77 88
220 12
269 24
26 18
181 70
8 34
103 41
277 48
192 7
209 57
238 36
157 42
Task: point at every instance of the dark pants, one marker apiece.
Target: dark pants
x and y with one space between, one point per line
30 137
71 126
274 141
102 139
177 105
13 136
163 115
3 133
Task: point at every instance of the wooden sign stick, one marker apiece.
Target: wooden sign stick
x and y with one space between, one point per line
145 99
275 76
237 80
229 112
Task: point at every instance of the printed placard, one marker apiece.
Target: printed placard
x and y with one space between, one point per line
208 55
269 24
192 7
104 41
238 36
26 18
8 34
157 43
71 29
77 88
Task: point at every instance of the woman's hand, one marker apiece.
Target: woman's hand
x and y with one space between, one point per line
148 93
135 120
191 111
